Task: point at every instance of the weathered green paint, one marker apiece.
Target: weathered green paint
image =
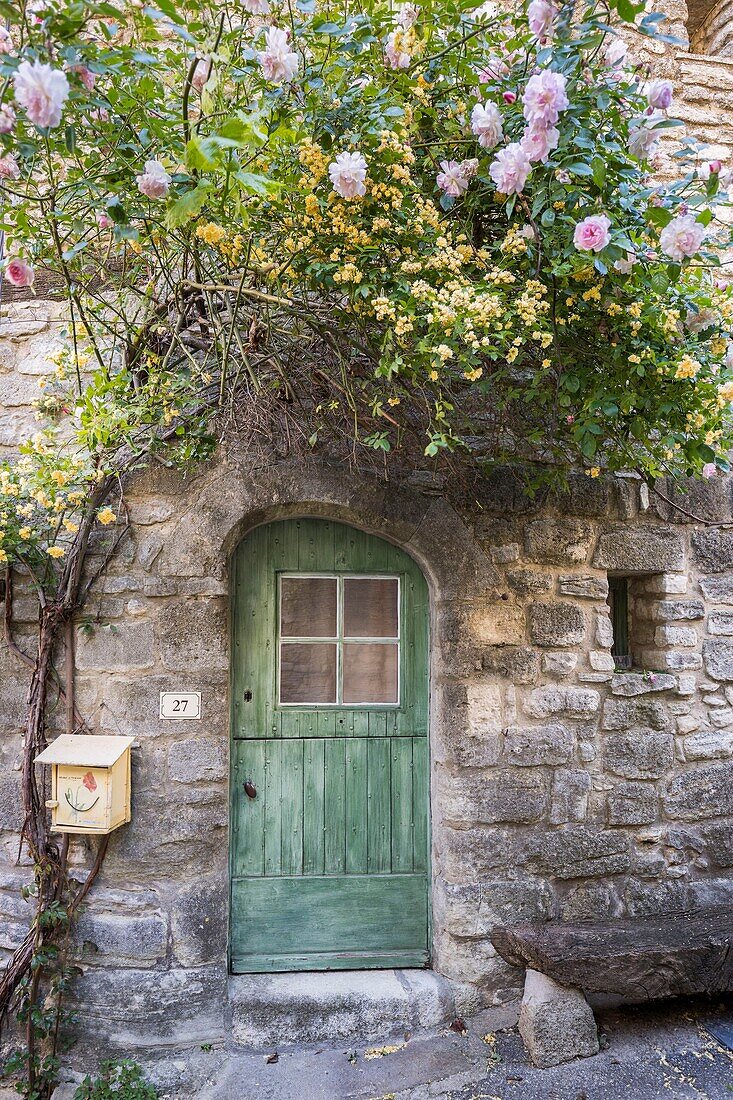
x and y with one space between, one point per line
330 861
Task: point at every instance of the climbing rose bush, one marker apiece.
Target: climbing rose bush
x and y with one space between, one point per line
447 223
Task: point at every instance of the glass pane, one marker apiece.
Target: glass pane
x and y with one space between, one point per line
370 607
308 607
370 672
307 673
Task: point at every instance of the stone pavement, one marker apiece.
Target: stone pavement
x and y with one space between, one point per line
647 1053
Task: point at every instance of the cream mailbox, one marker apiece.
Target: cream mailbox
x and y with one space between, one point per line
90 782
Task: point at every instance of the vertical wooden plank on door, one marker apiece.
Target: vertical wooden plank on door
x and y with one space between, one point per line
335 778
316 546
314 806
356 805
273 807
292 807
402 820
379 823
249 814
416 651
420 801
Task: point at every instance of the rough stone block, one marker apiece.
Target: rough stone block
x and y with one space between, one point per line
583 586
623 714
676 661
518 663
556 624
720 622
633 804
557 541
126 646
709 745
677 610
717 655
673 584
502 555
570 790
199 923
546 701
713 550
721 716
641 683
196 760
193 635
590 901
122 939
577 851
556 1023
603 631
639 754
685 636
700 793
642 549
601 660
494 796
559 664
718 589
529 745
526 582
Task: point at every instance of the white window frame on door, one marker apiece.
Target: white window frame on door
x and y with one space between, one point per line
340 640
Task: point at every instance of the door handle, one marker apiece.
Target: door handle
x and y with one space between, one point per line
249 789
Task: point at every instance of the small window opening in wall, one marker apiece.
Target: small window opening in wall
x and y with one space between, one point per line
618 601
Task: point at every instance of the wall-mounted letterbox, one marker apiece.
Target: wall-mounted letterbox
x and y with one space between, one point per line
90 782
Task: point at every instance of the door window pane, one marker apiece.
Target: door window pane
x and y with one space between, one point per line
307 672
308 607
370 672
370 607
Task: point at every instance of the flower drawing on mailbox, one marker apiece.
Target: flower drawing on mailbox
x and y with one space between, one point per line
79 799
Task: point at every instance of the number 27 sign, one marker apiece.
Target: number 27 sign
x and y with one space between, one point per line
178 705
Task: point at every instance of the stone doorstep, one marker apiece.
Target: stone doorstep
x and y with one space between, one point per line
282 1010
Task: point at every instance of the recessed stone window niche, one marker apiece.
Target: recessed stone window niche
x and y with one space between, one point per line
654 625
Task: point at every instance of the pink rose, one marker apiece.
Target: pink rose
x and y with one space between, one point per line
154 182
256 7
7 119
510 169
396 56
348 175
709 469
538 141
659 95
615 54
104 221
643 140
509 97
279 63
201 74
494 69
6 42
452 179
682 237
544 98
9 169
591 235
540 15
486 124
86 76
42 91
19 273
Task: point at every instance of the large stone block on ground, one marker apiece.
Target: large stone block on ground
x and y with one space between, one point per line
557 541
556 1023
640 550
556 624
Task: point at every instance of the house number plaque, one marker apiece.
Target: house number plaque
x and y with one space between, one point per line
180 705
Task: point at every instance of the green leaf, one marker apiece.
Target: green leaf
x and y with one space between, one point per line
578 168
258 185
658 215
598 168
704 217
188 205
70 138
200 154
660 282
164 9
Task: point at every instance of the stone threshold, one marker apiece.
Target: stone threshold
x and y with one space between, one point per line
282 1010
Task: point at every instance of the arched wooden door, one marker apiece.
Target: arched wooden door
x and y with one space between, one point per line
329 850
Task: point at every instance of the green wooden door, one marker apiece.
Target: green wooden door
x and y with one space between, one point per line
329 859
